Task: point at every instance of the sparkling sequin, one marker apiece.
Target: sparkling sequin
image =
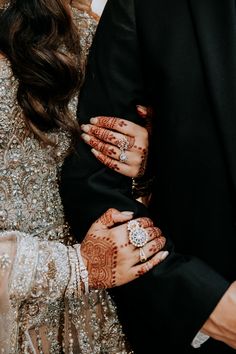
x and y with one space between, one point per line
48 313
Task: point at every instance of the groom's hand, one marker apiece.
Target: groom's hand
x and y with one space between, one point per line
221 325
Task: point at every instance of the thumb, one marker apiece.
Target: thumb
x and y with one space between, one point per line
113 216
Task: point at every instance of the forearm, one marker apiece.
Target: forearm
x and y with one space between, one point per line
114 91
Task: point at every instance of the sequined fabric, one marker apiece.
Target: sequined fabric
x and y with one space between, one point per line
42 308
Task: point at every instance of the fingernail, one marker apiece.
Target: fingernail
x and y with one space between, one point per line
164 255
141 109
85 137
95 152
94 120
85 128
128 213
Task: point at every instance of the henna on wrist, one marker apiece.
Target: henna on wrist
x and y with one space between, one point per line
101 259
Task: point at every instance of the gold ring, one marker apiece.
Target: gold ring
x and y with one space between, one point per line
142 255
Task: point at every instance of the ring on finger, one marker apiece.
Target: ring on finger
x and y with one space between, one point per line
123 157
142 255
123 145
138 236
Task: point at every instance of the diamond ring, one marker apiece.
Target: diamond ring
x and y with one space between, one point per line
123 145
138 236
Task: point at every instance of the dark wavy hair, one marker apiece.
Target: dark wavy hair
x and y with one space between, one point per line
42 44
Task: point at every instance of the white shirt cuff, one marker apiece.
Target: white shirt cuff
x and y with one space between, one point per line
199 339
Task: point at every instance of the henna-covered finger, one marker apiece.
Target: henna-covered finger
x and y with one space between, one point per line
107 161
151 248
106 149
115 165
118 124
145 222
108 136
143 268
121 167
111 217
153 232
134 160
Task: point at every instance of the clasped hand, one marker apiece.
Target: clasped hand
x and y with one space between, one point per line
110 258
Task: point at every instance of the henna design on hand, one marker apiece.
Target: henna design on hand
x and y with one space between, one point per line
109 136
145 268
154 232
110 163
145 222
144 158
101 256
157 244
111 122
126 142
102 147
103 134
107 218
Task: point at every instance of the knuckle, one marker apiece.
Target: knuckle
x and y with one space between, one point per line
110 211
162 241
157 231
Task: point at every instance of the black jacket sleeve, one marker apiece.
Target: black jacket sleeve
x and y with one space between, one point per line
175 299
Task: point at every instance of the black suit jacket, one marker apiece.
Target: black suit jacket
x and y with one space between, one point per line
180 57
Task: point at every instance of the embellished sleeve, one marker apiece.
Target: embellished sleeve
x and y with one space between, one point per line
44 299
30 269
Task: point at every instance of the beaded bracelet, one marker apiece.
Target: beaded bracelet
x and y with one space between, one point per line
83 270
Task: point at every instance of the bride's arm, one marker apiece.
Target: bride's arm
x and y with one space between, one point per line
34 269
30 267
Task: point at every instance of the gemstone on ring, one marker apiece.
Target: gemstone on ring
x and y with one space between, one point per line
138 237
123 157
123 144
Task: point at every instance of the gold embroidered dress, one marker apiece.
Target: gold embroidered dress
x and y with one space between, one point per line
42 308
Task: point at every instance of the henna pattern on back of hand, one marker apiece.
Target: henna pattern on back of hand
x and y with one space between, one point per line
101 257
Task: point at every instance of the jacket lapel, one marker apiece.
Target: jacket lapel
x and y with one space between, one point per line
215 22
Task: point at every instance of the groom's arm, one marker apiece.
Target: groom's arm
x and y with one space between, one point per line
113 86
180 293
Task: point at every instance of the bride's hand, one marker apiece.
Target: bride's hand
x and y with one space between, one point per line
118 143
111 259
